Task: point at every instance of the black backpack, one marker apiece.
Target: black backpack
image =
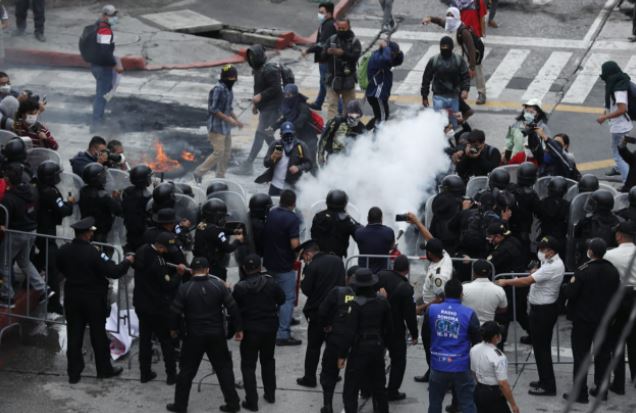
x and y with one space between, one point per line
479 44
631 101
88 43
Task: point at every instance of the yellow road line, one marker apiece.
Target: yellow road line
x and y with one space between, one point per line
594 165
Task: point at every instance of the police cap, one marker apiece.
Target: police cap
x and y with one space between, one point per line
497 229
85 224
199 263
252 264
165 216
364 277
168 240
482 268
627 227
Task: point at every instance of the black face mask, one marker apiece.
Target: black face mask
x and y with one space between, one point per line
228 83
343 34
446 53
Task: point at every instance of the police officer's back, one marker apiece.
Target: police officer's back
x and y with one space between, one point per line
629 213
134 201
332 227
259 206
526 203
96 202
554 210
599 223
446 206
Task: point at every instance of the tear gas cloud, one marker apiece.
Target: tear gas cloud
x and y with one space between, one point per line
395 171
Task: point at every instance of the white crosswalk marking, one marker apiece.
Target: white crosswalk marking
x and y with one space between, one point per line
505 71
411 84
550 71
586 79
630 68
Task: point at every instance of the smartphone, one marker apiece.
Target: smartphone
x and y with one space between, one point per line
401 218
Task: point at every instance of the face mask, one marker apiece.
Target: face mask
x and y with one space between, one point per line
541 256
452 24
31 119
288 143
450 134
446 53
528 117
5 89
113 20
589 254
352 121
321 17
343 34
229 83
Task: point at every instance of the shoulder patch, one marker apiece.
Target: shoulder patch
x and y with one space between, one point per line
499 353
104 257
438 282
222 236
60 202
572 280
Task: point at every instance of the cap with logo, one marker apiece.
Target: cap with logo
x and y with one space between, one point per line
85 224
199 263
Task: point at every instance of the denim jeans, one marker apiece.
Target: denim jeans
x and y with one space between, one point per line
463 385
104 83
322 92
621 165
286 281
447 103
20 246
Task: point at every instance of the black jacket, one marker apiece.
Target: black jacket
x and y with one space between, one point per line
334 313
320 276
446 206
97 203
211 242
79 161
488 159
342 66
599 225
628 214
523 211
155 286
267 80
628 156
20 202
86 269
258 297
509 256
299 156
325 31
51 209
553 214
370 324
448 76
400 296
201 301
590 291
133 203
331 230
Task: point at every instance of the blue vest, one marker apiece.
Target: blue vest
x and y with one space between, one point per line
450 344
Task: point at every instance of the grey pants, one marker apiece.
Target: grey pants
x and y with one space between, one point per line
387 8
266 118
20 246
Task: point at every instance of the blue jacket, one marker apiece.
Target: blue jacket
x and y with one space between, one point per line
79 161
452 329
379 74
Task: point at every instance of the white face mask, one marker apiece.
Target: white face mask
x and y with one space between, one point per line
452 24
528 116
31 119
5 89
321 17
541 256
113 20
589 255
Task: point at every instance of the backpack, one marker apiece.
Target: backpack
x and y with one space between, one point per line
363 71
631 101
479 44
88 43
286 74
317 121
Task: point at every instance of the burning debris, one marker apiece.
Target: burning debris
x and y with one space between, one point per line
173 160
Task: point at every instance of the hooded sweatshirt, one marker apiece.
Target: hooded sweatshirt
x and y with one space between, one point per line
267 78
20 202
258 297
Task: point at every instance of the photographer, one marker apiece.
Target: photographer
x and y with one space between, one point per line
630 159
551 155
116 157
96 152
532 116
27 124
478 158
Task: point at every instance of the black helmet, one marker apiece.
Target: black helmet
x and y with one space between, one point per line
185 189
527 174
94 174
216 187
337 200
140 176
15 150
214 211
588 183
260 204
454 185
632 197
49 173
601 200
163 194
499 178
557 187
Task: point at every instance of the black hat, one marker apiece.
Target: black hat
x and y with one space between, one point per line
310 243
351 271
199 263
168 240
482 268
435 246
549 242
598 246
252 263
476 135
364 277
627 227
401 264
85 224
497 229
165 216
229 72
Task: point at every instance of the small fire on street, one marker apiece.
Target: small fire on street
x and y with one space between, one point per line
169 163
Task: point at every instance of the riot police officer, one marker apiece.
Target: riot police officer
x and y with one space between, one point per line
16 151
86 298
599 223
215 187
332 227
371 327
554 210
134 201
51 210
446 206
211 240
96 202
526 204
499 179
165 221
259 205
629 213
588 183
163 196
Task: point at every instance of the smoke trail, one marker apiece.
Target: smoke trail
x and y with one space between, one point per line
395 171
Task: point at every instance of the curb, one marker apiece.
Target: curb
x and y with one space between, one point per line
130 63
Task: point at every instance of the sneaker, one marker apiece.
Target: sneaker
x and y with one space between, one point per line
540 391
493 24
305 382
145 378
250 407
581 399
394 396
295 322
45 295
424 378
481 99
291 341
171 407
116 371
612 172
269 398
535 384
245 169
229 409
7 303
40 37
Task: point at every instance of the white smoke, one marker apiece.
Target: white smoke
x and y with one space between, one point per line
395 170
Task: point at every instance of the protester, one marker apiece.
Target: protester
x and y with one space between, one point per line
380 77
628 157
295 109
21 10
326 29
27 124
531 117
341 132
478 158
388 24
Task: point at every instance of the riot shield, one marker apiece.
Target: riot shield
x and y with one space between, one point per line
475 185
577 213
36 156
231 185
621 201
186 208
6 136
70 184
117 180
541 186
237 211
608 187
512 171
572 192
428 214
199 194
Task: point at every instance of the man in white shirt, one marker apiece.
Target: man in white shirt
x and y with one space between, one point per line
482 295
545 285
617 85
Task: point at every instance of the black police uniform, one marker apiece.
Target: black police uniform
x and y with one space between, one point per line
599 224
97 203
525 208
371 326
320 276
627 214
134 200
332 229
258 297
553 215
446 206
334 312
86 302
154 289
211 242
201 301
400 296
588 293
174 255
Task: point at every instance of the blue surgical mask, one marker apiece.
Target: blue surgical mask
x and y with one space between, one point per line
113 20
528 117
321 17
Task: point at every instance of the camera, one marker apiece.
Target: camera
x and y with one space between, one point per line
629 139
401 218
278 147
474 150
530 127
114 158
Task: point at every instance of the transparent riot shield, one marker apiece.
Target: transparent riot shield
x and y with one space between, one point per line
572 192
116 181
185 207
237 211
621 201
6 136
199 194
608 187
231 185
541 186
428 212
475 185
577 213
36 156
70 184
512 171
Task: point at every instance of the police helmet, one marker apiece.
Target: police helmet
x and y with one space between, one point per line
499 178
557 187
453 184
588 183
527 174
163 194
216 187
94 174
214 211
632 197
601 200
15 150
49 173
140 176
337 200
185 189
260 203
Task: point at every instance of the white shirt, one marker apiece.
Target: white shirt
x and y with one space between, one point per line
620 257
485 297
437 275
621 124
280 172
489 364
548 279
